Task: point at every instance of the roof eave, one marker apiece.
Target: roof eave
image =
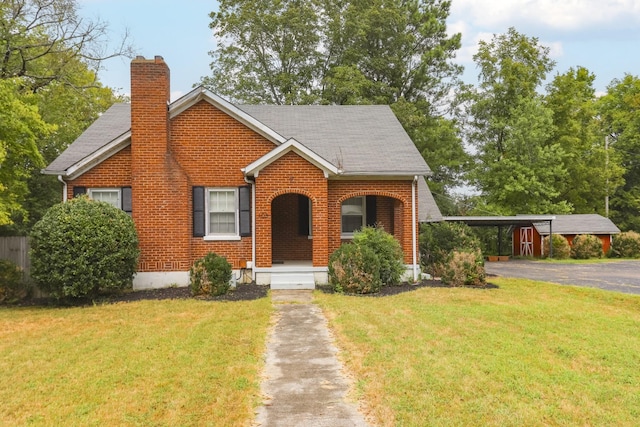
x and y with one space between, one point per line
93 159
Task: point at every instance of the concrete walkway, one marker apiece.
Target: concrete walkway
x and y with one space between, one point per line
304 383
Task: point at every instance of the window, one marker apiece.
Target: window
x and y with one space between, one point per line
353 213
108 195
222 208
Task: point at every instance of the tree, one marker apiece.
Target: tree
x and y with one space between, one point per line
592 172
619 111
48 67
20 129
516 168
42 41
345 52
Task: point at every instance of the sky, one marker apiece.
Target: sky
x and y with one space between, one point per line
601 35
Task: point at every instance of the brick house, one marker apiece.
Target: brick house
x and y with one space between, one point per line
274 189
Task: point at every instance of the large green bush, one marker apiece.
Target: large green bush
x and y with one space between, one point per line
439 240
626 245
210 275
464 268
83 247
354 269
388 250
586 246
12 284
561 248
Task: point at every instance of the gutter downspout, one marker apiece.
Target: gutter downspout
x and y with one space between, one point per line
64 188
252 183
413 227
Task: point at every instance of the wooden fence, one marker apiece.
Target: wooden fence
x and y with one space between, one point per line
16 249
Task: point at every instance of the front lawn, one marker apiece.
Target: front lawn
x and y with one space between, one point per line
173 362
526 353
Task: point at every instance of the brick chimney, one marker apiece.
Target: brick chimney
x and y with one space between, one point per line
150 96
160 203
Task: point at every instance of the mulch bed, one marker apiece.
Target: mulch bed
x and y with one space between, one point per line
243 292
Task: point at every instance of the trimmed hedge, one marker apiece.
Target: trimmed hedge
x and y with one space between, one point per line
82 248
210 275
586 246
439 240
354 269
626 245
561 248
388 250
464 269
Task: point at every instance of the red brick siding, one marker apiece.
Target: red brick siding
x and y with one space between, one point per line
399 190
291 174
115 172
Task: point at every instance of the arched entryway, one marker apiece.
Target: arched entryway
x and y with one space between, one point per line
291 239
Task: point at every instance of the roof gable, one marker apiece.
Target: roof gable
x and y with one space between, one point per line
291 145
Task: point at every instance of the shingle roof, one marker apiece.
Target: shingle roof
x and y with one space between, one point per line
579 224
358 139
114 122
428 210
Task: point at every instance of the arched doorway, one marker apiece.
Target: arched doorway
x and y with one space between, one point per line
291 238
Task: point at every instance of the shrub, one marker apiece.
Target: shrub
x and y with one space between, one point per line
388 250
439 240
12 284
561 248
626 245
83 247
210 275
585 246
464 269
354 269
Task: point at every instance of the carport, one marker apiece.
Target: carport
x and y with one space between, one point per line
505 221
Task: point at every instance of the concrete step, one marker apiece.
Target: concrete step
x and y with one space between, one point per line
292 280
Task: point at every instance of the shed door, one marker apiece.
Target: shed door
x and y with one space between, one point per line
526 241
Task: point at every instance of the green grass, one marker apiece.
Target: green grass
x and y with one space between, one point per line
528 353
178 362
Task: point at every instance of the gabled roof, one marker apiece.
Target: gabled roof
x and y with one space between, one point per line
578 224
111 130
355 140
291 145
428 210
358 139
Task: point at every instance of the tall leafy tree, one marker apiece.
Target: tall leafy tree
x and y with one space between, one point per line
20 129
393 52
50 94
620 114
592 171
516 170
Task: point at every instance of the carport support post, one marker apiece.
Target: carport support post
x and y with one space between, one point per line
550 239
499 240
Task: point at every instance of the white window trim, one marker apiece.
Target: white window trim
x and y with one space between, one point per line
91 191
364 216
221 236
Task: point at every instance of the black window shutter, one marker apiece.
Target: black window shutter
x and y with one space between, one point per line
303 215
371 211
244 206
77 191
125 194
198 211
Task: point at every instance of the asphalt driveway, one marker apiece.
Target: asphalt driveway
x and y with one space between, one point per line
620 276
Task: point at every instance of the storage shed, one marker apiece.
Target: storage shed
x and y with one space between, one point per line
527 240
